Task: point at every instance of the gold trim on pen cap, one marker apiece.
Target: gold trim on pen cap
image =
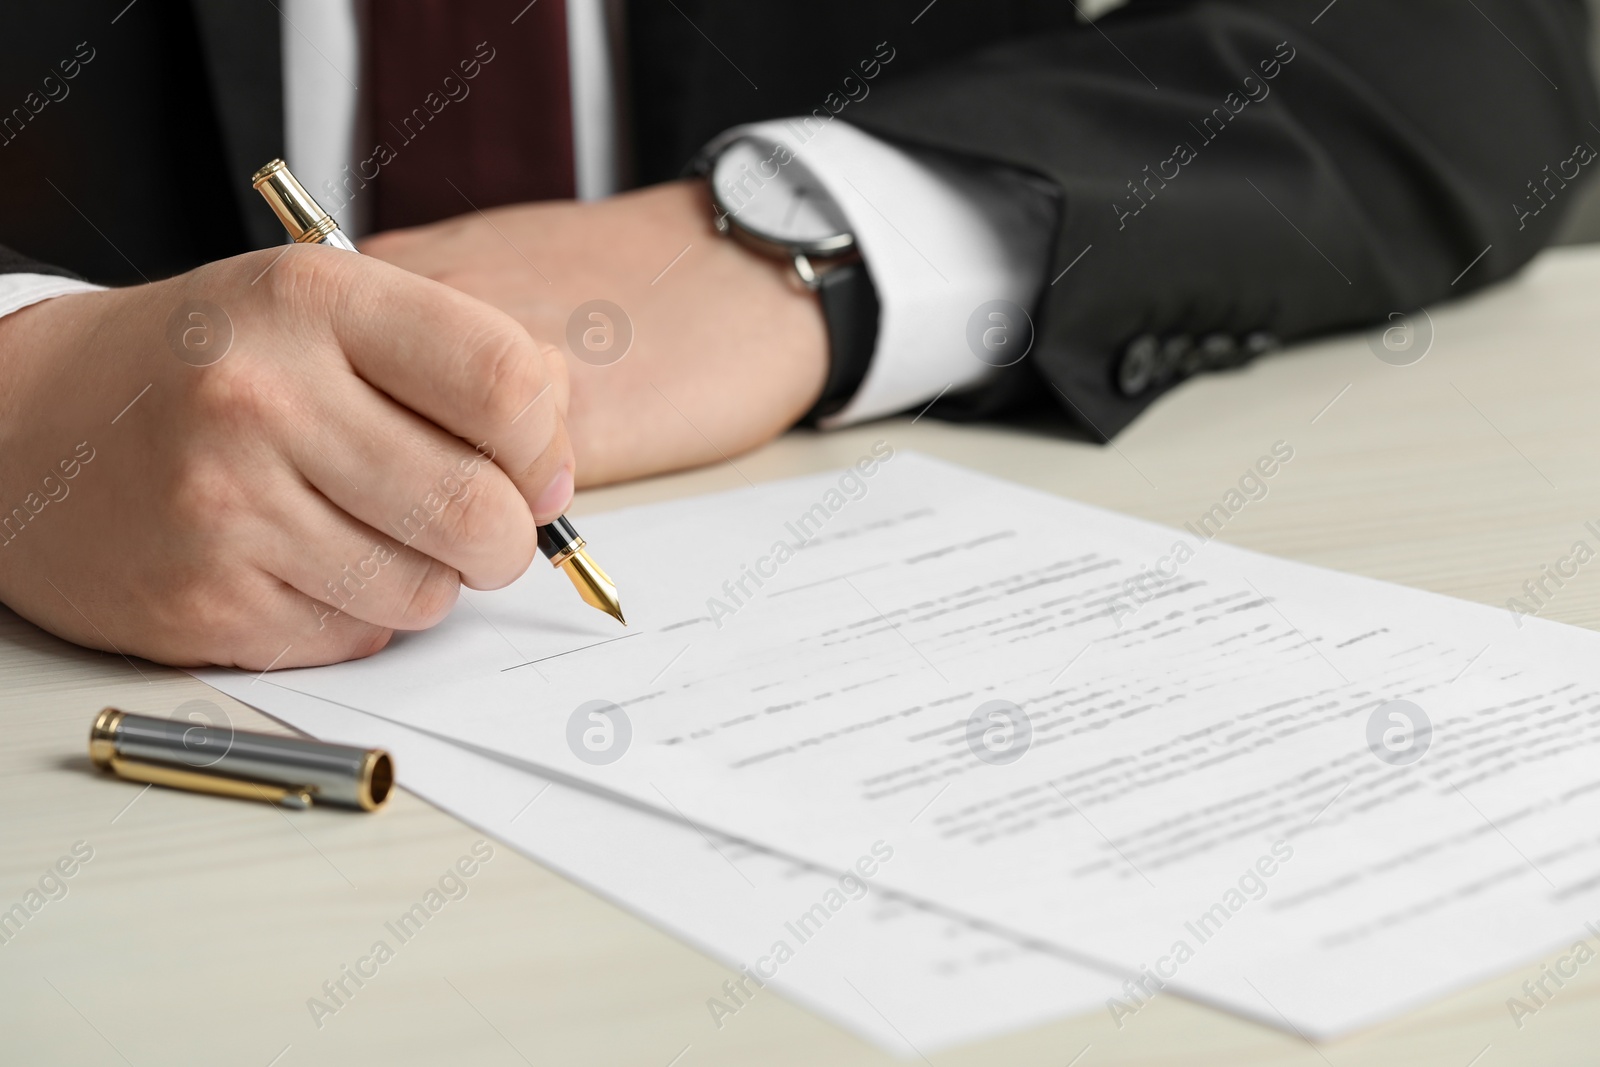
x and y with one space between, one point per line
377 780
300 214
293 796
103 737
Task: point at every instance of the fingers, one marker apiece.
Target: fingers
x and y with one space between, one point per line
344 567
257 623
292 630
400 475
468 368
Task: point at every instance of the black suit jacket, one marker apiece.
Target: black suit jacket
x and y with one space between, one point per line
1390 146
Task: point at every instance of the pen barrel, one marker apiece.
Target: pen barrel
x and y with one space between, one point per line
559 540
337 239
333 774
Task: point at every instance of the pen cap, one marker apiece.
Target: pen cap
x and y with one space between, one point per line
301 215
333 774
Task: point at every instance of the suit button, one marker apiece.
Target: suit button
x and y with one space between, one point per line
1260 343
1217 351
1173 351
1138 365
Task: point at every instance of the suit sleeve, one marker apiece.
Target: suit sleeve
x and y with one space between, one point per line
16 263
1232 175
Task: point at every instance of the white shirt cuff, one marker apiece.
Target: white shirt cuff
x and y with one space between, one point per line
18 291
935 253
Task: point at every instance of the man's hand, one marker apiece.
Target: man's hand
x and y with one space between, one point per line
727 349
324 483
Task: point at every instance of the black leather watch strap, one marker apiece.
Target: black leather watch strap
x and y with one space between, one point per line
850 307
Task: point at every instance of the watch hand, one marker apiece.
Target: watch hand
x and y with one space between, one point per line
794 208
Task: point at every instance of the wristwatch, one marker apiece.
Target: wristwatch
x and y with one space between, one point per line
767 200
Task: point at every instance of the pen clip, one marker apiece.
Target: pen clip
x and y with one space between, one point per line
200 782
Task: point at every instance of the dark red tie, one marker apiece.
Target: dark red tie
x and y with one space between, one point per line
472 99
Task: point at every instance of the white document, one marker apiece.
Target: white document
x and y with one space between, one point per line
1204 798
933 980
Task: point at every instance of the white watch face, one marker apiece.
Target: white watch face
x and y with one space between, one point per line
766 191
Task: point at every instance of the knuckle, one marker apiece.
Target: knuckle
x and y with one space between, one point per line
432 593
299 274
199 606
470 521
204 501
555 365
240 396
365 641
509 373
484 527
349 638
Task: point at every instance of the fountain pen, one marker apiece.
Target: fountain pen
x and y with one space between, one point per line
308 223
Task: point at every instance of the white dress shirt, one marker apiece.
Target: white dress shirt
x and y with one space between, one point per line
934 252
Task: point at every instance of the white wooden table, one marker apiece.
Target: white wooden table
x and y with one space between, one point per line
200 927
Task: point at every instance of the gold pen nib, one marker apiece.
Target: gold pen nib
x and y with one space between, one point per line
593 584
